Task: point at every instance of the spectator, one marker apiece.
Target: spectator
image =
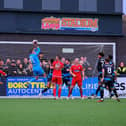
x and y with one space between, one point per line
29 70
8 62
41 57
121 69
18 62
86 66
12 70
47 68
1 64
25 63
63 60
21 71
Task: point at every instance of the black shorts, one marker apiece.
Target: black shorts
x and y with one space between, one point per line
109 84
66 80
99 77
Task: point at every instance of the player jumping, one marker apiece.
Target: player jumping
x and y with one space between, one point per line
77 72
34 59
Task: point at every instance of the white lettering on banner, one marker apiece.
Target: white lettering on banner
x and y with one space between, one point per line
91 86
23 91
120 87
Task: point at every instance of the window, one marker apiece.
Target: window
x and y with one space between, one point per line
87 5
118 5
16 4
51 4
32 5
69 5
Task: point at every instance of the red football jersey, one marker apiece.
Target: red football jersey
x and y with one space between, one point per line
77 69
57 65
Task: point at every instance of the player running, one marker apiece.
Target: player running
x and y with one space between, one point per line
34 59
57 76
77 72
100 65
107 80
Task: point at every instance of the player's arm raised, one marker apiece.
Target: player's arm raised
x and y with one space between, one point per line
103 75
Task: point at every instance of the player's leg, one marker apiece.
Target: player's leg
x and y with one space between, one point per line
54 81
115 91
59 82
35 74
108 87
49 78
47 87
99 84
72 86
67 82
101 93
79 82
37 71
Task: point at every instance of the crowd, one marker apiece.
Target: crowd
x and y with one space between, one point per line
23 67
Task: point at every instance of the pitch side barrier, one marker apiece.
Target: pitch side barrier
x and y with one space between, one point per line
16 87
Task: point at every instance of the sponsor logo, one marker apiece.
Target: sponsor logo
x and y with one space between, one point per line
67 23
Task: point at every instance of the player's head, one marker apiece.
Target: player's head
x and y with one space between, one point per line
76 61
35 43
67 61
106 60
100 54
110 57
58 58
51 61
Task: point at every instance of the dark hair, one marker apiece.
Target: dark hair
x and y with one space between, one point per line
41 53
52 60
68 60
101 54
107 60
110 57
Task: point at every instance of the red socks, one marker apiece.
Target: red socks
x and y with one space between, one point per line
54 92
59 92
81 92
70 91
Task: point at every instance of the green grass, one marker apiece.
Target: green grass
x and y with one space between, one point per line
47 112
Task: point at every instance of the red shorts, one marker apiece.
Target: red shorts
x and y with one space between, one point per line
77 81
57 80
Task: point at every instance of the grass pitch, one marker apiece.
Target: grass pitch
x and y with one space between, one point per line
49 112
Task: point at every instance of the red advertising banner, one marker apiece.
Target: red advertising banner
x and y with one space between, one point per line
81 24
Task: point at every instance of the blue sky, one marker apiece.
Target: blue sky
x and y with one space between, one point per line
124 6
